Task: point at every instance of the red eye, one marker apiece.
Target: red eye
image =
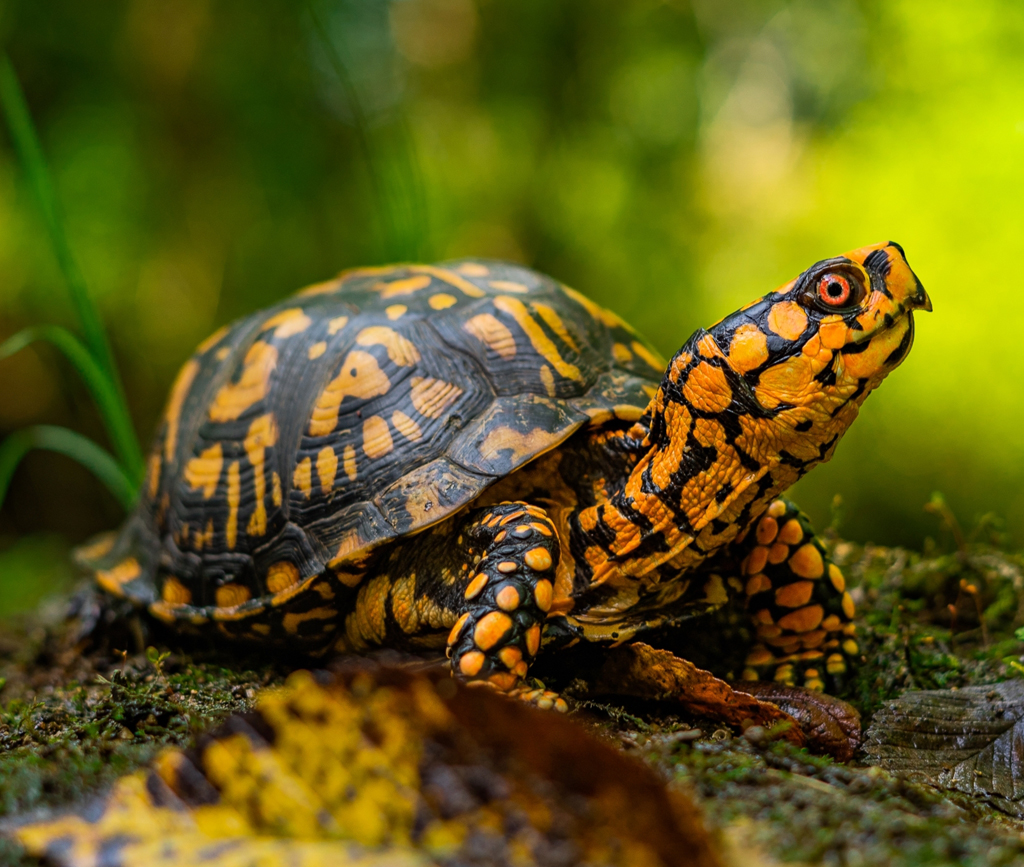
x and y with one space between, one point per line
834 290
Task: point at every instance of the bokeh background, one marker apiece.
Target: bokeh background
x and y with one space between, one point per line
671 158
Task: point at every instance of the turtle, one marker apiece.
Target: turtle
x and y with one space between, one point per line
473 458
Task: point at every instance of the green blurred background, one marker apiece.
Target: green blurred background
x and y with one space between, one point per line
671 159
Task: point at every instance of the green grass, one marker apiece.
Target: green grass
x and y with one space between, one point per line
90 356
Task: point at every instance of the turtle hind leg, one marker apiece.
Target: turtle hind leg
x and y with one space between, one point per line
506 599
800 609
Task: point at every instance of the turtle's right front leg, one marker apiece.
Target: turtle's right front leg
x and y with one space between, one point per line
507 597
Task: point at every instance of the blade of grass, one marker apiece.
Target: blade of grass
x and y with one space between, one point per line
400 202
416 196
112 409
359 123
26 143
73 445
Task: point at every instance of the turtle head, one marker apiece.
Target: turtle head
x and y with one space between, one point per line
827 338
749 405
772 388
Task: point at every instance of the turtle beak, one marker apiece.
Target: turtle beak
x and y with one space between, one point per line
920 300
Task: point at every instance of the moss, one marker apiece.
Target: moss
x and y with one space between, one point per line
809 809
933 622
72 720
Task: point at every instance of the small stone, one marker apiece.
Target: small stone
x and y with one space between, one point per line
756 735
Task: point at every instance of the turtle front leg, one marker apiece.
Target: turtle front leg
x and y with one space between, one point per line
797 598
507 597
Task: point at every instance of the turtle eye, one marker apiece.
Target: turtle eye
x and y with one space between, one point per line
838 290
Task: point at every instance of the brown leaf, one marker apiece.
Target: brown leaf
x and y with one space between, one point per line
641 671
377 766
969 740
829 724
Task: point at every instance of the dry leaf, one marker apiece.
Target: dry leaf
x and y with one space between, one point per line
969 740
381 766
829 724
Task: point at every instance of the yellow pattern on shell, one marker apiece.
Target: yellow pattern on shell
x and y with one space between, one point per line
541 342
406 426
230 595
262 436
326 468
402 286
520 444
204 471
621 353
302 477
555 323
509 286
154 467
322 795
233 399
399 348
234 498
336 324
605 317
316 350
491 332
98 548
451 278
112 579
432 397
548 378
395 311
349 461
288 323
204 539
281 576
175 593
442 301
327 287
360 377
377 440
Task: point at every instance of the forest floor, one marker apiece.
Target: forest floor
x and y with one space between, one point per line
72 721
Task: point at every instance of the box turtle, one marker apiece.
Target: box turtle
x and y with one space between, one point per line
474 456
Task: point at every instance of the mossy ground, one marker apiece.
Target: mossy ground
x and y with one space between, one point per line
72 719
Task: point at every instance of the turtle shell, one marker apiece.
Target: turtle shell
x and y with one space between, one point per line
358 411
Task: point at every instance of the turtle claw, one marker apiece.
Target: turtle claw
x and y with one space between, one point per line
545 699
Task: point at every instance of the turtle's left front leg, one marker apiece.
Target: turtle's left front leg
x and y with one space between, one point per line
507 597
800 608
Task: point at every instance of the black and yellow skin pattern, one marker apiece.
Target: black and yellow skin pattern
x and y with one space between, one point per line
472 455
